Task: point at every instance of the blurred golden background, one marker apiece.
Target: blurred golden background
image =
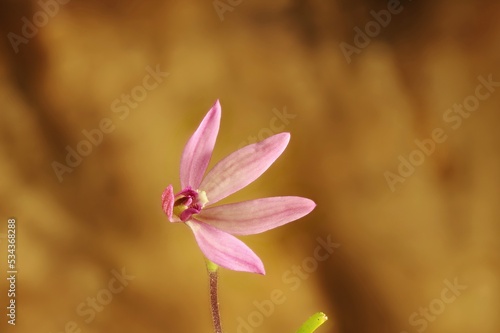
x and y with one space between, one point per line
393 108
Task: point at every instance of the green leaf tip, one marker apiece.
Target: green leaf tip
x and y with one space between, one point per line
311 324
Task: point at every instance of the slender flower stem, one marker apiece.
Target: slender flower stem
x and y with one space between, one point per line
214 302
214 298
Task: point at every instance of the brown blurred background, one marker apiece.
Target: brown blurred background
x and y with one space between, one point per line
354 116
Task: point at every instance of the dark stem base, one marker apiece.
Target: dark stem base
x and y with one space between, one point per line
214 301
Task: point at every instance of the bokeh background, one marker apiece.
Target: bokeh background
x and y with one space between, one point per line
352 119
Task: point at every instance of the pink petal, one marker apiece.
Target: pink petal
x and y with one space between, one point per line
242 167
167 201
224 249
256 216
198 150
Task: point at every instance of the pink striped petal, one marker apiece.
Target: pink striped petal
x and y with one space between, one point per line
198 150
167 202
256 216
242 167
224 249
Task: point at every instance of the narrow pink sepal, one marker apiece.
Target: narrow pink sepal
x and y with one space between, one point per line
256 216
224 249
167 201
198 150
242 167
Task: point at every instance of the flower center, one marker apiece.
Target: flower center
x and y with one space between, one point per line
189 202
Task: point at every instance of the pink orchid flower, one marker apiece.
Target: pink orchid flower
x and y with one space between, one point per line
214 226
